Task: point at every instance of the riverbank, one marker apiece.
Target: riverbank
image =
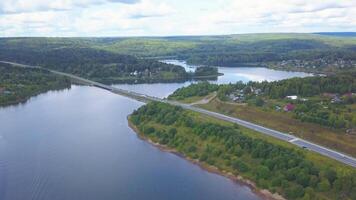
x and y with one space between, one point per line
23 100
17 85
265 194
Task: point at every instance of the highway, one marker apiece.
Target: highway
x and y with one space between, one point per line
343 158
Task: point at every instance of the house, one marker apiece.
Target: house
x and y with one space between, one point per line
289 107
237 96
330 95
336 99
258 91
293 97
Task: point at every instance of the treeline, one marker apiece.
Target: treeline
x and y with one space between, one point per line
303 87
93 64
82 58
206 71
195 89
235 54
309 86
19 84
273 167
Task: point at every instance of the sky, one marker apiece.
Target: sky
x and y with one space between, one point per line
99 18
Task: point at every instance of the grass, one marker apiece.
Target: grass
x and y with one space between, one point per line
196 98
318 159
334 139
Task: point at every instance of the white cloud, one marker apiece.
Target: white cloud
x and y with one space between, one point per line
20 6
173 17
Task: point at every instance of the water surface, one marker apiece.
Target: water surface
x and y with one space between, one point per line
76 145
231 75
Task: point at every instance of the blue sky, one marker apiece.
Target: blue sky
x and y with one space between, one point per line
172 17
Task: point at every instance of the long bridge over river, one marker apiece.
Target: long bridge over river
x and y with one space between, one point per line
346 159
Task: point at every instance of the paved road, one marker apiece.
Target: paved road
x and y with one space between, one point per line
348 160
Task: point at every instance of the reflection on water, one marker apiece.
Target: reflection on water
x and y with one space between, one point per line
231 75
76 145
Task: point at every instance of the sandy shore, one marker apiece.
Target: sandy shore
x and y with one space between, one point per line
265 194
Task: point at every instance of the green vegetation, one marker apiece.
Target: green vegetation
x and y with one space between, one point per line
206 71
304 52
19 84
323 111
327 101
95 64
271 164
330 99
196 89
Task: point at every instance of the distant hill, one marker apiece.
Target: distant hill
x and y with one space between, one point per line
339 34
290 51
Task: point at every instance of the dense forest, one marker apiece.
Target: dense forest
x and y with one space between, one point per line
99 65
305 52
19 84
325 100
272 166
95 64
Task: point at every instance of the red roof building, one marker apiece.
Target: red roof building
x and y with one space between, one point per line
289 107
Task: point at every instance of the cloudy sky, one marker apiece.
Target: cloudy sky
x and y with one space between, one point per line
172 17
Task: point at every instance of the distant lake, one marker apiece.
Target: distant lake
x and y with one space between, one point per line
231 75
75 144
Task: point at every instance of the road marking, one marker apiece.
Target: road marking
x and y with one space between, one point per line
294 140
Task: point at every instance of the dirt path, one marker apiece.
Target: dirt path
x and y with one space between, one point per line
206 100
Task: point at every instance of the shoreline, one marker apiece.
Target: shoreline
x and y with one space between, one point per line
263 193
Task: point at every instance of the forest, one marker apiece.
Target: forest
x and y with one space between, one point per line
271 166
95 64
305 52
100 65
19 84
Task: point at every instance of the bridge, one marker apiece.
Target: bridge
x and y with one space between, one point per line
343 158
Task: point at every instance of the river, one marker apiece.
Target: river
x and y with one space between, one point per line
75 144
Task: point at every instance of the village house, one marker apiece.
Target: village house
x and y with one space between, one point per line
293 97
237 96
336 99
4 91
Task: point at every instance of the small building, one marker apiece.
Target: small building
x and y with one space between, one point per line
293 97
258 91
336 99
330 95
289 107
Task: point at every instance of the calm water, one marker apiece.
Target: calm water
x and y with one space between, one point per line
76 145
231 75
